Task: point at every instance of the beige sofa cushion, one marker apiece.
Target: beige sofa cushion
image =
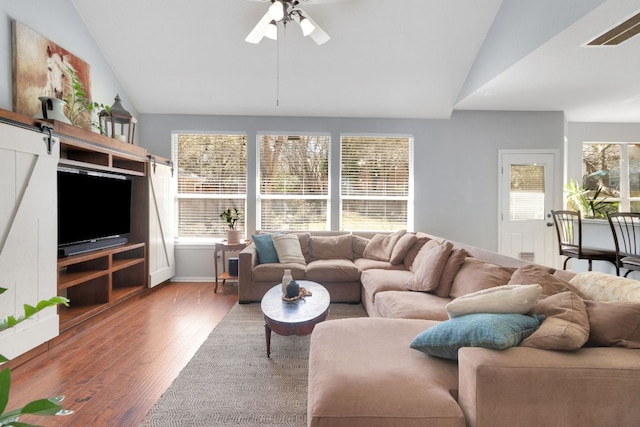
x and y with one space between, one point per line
288 249
519 299
551 284
332 270
411 305
331 247
362 373
428 266
566 324
614 324
380 247
376 281
372 264
475 275
273 272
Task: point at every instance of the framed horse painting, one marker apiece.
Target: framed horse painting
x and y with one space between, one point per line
42 68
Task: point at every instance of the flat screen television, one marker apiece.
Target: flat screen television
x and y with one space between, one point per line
94 210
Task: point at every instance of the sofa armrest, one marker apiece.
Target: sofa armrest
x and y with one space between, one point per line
247 260
531 387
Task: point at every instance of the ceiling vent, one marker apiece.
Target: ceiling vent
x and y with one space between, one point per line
619 33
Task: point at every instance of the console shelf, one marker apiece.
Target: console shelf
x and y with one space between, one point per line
96 280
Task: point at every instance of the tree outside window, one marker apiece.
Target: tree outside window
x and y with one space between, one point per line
294 182
611 174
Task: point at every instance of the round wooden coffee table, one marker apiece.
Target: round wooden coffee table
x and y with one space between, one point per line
294 318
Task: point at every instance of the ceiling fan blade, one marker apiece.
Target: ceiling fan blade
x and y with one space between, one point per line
259 30
318 35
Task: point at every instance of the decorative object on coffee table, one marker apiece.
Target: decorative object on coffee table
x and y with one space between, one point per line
286 278
294 318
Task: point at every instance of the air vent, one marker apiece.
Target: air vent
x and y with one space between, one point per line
619 34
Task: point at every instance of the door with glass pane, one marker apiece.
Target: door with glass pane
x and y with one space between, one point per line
526 199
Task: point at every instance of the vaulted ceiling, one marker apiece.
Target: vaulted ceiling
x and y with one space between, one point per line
385 59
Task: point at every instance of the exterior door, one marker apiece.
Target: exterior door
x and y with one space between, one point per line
527 180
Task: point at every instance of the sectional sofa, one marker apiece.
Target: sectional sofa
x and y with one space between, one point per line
578 366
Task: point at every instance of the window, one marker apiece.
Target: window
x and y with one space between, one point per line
294 182
212 176
611 175
526 195
376 191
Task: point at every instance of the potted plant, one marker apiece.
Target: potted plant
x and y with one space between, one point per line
43 407
232 216
81 109
590 207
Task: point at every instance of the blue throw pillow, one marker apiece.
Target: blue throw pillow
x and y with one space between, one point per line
265 247
488 330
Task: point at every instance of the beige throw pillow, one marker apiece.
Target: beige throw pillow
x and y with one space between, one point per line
410 257
565 326
475 275
381 246
613 324
288 249
451 268
429 265
543 276
402 247
514 299
358 244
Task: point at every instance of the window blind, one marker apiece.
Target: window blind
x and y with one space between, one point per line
212 176
375 185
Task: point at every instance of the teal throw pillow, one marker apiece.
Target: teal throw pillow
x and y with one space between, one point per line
265 247
488 330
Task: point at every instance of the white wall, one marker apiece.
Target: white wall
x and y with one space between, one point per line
58 21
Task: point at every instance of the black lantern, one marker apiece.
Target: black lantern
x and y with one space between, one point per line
118 123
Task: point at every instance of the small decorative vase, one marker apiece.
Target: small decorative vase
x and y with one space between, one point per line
293 289
233 237
286 278
52 109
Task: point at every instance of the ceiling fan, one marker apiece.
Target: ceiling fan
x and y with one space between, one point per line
286 11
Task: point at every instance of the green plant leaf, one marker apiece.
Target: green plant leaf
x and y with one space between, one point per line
19 424
5 385
3 290
41 407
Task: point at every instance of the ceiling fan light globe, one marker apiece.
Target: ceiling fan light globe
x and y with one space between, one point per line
307 26
276 10
272 31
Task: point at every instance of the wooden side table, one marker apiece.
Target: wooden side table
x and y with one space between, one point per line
223 247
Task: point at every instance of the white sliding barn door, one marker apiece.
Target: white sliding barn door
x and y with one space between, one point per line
162 265
28 236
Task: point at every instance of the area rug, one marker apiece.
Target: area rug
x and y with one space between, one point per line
231 382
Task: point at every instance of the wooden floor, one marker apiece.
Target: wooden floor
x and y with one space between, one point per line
114 370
